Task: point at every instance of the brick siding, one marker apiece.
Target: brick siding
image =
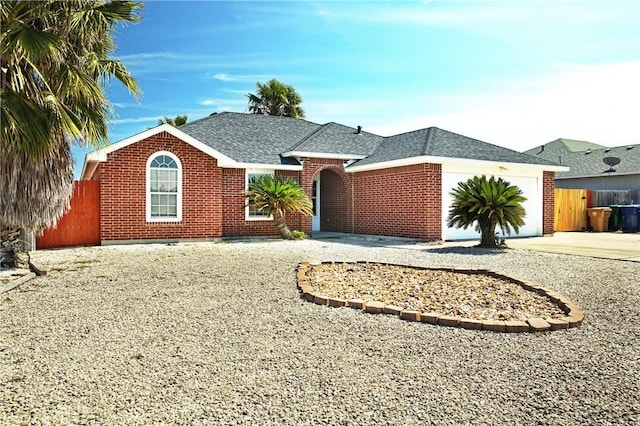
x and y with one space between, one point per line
123 193
401 201
548 202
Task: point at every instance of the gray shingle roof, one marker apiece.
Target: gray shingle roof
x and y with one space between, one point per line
436 142
250 138
339 139
588 160
259 139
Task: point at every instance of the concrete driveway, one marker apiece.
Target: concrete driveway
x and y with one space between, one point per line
606 245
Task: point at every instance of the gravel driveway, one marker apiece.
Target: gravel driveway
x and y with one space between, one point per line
216 333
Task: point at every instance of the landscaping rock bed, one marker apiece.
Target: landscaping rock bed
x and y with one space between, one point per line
478 299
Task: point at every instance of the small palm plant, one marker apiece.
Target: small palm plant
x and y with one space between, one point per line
487 203
275 196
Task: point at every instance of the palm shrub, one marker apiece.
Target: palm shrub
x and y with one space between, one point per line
487 203
275 98
276 196
179 120
56 63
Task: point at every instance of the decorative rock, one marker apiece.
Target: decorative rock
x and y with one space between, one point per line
449 321
538 324
392 310
374 307
493 325
516 326
356 304
558 324
429 318
337 303
454 297
471 324
410 315
320 300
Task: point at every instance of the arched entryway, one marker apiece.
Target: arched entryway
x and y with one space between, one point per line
331 203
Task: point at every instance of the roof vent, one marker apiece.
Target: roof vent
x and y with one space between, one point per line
630 147
358 130
607 149
212 114
587 152
541 149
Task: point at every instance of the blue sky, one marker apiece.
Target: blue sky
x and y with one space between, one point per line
517 73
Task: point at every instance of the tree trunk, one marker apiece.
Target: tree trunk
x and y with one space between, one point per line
488 237
281 226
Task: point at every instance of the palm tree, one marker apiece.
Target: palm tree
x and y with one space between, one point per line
56 61
487 202
275 196
275 98
179 120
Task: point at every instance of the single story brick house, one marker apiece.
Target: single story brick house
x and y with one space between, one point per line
170 183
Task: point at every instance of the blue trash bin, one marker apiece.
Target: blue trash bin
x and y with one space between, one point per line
630 215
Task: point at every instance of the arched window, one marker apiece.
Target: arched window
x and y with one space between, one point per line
164 188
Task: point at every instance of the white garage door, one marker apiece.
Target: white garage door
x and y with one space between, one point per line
531 188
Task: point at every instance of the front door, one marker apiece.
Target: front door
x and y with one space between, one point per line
315 200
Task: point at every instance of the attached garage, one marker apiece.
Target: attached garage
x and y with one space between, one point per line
528 180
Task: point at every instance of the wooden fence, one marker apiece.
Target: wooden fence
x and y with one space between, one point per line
570 209
81 225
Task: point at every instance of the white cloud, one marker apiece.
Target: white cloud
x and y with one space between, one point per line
598 103
135 120
240 78
217 102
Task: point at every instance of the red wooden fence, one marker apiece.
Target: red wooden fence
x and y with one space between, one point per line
81 225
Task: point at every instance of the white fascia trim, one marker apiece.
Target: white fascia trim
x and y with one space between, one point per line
304 154
100 155
450 160
261 166
88 168
604 174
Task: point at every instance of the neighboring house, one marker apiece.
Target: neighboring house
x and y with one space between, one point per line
187 183
587 168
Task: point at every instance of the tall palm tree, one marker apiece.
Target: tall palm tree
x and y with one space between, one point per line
275 98
487 203
275 196
179 120
56 61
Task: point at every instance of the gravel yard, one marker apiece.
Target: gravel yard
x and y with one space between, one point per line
216 333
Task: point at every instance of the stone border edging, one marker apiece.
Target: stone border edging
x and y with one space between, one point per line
18 281
574 315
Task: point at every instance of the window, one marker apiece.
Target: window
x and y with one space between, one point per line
164 188
250 213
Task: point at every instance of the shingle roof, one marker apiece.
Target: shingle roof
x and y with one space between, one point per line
574 145
436 142
250 138
339 139
259 139
588 161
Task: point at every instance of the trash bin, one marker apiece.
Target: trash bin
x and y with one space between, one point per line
599 218
629 215
615 220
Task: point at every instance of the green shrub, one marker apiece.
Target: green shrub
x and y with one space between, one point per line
298 235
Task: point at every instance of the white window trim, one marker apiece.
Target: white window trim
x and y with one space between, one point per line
178 217
247 216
